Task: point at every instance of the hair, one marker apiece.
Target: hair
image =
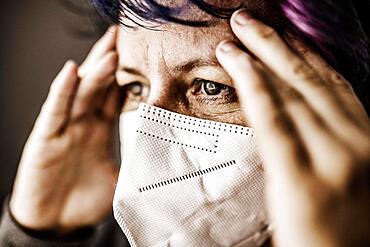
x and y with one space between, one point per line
332 28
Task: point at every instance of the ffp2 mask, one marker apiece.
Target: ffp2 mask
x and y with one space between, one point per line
186 181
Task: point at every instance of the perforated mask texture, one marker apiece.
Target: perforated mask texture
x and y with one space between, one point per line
186 181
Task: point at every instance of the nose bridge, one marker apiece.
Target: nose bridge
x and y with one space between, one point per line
162 91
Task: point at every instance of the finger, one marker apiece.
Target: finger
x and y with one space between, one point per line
56 109
355 135
111 107
337 83
330 157
99 78
106 43
281 148
263 41
282 151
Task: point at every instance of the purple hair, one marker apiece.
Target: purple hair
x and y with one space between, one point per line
332 28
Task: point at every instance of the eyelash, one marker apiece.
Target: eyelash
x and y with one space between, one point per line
227 94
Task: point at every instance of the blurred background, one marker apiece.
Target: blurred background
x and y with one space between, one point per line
36 38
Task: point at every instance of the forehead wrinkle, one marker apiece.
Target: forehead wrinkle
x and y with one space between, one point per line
191 64
163 59
171 62
146 55
199 43
156 58
166 53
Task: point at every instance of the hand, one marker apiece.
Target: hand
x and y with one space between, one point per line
313 135
67 173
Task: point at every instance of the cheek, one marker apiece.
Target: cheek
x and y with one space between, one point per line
226 113
236 117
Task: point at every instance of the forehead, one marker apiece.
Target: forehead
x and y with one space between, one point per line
170 45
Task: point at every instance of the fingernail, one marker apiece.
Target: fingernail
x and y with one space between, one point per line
242 17
227 46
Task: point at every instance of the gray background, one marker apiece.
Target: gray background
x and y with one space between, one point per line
37 37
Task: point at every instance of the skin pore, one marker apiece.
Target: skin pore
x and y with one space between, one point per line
175 67
180 71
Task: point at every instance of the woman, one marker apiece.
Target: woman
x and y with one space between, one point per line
273 70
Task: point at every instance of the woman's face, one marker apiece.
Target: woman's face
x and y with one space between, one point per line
176 69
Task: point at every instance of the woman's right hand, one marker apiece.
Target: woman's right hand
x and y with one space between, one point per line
67 173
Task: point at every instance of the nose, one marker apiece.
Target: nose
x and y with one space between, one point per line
165 94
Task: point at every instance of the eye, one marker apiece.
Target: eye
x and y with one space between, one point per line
212 88
135 93
210 92
136 90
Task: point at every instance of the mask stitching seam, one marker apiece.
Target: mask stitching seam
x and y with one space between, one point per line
179 127
177 142
187 176
225 128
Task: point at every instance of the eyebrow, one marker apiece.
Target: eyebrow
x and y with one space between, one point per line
130 70
186 66
189 65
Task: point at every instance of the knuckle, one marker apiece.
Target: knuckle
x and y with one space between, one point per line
241 58
291 95
112 54
340 82
302 69
305 72
265 32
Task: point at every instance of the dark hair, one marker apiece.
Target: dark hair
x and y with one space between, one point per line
332 28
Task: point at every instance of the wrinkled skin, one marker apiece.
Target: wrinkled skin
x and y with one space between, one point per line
312 131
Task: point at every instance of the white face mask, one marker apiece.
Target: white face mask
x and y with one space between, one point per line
186 181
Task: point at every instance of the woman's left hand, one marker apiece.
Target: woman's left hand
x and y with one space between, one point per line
313 135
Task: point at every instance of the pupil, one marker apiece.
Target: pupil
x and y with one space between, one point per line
211 88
